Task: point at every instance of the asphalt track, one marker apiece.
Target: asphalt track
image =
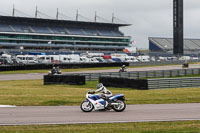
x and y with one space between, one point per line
39 115
40 75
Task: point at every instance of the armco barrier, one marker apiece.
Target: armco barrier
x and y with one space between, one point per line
144 74
164 83
155 63
124 82
64 79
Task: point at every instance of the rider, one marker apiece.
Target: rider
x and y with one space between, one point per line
105 92
123 68
58 71
53 71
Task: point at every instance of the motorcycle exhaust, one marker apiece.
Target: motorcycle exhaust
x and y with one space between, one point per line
115 103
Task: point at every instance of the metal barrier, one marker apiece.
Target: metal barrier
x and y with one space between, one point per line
157 63
165 83
144 74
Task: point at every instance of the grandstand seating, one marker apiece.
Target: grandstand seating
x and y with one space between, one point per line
58 30
91 32
39 29
18 28
197 42
117 33
105 32
75 31
5 28
47 34
166 44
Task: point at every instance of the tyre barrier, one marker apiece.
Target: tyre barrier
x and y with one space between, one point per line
122 82
64 79
144 84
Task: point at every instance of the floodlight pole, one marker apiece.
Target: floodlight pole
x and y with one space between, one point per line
13 13
113 17
95 17
57 14
178 49
36 12
76 15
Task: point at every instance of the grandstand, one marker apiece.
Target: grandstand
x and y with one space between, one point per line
36 34
166 45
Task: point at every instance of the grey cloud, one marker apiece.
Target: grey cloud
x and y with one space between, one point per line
148 17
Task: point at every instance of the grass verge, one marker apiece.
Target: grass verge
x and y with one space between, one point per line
34 93
145 127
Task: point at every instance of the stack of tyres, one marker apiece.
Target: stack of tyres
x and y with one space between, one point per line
64 79
123 82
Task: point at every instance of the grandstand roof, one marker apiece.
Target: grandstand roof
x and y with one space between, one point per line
55 22
53 26
166 44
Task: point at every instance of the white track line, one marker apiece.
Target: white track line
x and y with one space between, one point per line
7 106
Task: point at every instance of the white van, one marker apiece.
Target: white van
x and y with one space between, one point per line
143 58
131 59
44 59
84 59
72 58
54 58
27 59
93 60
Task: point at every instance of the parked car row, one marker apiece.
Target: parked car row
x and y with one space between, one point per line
6 59
71 58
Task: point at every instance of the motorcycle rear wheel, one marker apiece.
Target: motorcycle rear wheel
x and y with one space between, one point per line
86 106
119 108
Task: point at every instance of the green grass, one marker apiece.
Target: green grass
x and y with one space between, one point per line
155 127
33 92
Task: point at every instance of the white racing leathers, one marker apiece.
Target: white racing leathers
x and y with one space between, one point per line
104 92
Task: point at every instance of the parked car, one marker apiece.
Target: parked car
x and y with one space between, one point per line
5 60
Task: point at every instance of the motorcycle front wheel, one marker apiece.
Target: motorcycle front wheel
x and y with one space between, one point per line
86 106
120 107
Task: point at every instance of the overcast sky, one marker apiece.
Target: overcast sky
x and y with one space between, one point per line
149 18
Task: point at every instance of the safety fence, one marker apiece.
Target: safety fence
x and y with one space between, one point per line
173 83
157 63
144 74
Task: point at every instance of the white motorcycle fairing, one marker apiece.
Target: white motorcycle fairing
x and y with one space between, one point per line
98 102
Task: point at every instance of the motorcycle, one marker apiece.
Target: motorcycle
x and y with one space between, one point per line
53 72
122 70
96 102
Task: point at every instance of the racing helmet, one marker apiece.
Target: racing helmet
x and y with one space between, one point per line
99 85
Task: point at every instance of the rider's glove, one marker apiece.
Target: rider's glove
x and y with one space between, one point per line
91 92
